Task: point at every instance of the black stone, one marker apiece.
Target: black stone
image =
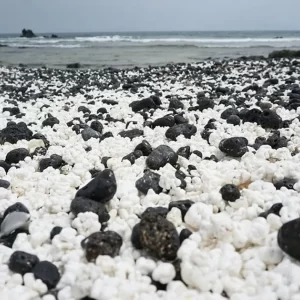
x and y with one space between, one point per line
82 205
47 272
252 116
131 157
16 155
184 234
83 109
286 182
97 126
18 206
180 119
159 237
175 104
182 205
55 231
146 104
9 239
205 103
229 112
150 180
13 133
136 237
230 192
5 165
50 121
187 130
166 121
104 160
198 153
4 184
159 210
89 133
270 119
274 209
133 133
102 243
22 262
12 110
160 156
102 188
234 120
181 176
145 147
288 238
234 146
184 152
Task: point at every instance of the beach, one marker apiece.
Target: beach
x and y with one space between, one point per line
170 181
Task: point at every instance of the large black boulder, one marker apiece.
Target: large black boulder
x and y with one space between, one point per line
28 33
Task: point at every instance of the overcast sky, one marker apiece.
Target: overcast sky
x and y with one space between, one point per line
55 16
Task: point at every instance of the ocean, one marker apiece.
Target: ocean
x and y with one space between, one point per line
129 49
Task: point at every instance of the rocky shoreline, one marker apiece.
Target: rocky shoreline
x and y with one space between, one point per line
179 181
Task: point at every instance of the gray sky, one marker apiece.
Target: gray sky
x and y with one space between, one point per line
140 15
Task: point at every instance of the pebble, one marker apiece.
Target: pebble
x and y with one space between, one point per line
160 156
159 237
102 243
55 231
89 133
230 192
22 262
145 147
4 184
149 180
16 155
47 272
101 189
187 130
235 146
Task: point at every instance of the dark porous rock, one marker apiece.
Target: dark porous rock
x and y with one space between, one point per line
146 104
47 272
73 66
101 189
55 161
50 121
175 104
276 141
210 125
184 152
234 146
180 119
44 164
270 119
145 147
184 234
253 116
187 130
136 237
12 110
288 238
13 133
229 112
198 153
22 262
97 126
160 156
205 103
5 165
16 155
205 134
234 120
265 105
137 154
166 121
39 136
102 110
285 54
130 157
106 135
159 237
4 184
182 205
82 205
286 182
230 192
9 239
109 102
274 209
159 210
89 133
102 243
150 180
55 231
133 133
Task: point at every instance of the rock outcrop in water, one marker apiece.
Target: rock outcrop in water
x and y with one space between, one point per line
28 33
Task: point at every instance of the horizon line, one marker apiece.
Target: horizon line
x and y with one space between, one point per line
156 31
